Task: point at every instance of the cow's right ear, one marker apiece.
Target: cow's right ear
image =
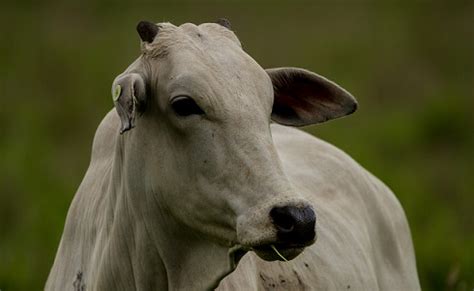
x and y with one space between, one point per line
302 97
129 95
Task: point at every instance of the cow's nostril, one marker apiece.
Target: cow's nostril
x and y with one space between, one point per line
294 225
282 219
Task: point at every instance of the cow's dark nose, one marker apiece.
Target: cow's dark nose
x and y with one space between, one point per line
295 225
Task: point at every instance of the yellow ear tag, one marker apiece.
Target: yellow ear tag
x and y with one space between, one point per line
117 92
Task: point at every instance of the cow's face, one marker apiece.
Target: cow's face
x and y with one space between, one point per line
206 108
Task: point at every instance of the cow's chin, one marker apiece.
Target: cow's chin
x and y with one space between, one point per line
285 252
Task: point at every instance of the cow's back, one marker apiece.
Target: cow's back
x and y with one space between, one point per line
364 241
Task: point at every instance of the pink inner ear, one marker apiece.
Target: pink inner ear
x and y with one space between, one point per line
300 98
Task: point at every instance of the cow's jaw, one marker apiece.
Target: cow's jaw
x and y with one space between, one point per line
281 252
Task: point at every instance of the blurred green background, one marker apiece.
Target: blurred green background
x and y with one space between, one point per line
410 64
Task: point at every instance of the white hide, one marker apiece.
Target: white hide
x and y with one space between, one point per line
173 202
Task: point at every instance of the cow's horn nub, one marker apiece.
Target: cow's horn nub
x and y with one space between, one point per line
224 22
147 31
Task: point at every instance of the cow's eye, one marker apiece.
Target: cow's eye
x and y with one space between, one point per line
185 106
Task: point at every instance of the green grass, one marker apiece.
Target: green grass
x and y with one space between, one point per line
278 253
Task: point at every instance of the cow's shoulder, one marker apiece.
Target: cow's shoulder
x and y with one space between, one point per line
105 137
313 161
331 177
360 220
73 261
326 171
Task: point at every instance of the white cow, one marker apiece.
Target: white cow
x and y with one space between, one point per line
205 180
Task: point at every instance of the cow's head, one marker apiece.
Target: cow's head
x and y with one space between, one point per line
202 109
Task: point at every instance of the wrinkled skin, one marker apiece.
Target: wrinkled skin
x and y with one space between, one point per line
173 202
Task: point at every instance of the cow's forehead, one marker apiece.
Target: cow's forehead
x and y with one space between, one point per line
189 35
213 31
208 60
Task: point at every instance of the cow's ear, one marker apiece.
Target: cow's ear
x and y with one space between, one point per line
129 95
302 97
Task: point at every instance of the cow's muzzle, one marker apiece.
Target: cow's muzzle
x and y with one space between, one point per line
295 230
279 230
294 225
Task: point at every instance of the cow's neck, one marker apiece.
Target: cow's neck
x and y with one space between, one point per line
176 254
192 262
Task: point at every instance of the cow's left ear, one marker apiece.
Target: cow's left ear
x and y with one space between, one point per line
303 97
129 95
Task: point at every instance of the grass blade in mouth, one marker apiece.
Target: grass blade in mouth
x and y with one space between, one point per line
278 253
